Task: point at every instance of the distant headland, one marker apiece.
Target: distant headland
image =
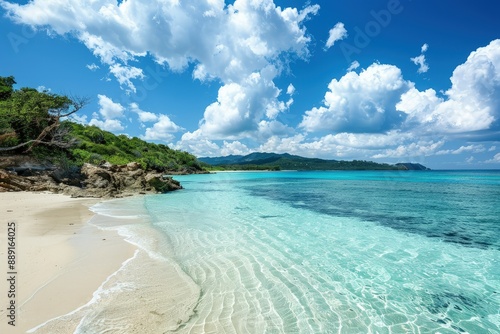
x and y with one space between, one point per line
274 161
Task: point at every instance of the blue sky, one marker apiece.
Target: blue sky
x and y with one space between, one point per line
388 81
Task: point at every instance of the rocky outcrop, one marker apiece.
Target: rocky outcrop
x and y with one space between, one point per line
109 180
12 182
105 180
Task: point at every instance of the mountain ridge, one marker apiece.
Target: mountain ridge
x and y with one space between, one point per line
276 161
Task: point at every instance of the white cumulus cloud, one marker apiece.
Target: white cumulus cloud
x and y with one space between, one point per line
163 129
423 67
234 148
478 148
354 65
109 114
144 116
93 67
241 106
420 61
125 74
112 125
110 109
337 33
362 102
224 41
471 104
419 148
495 159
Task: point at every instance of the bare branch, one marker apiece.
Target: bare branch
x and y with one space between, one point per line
49 143
42 135
78 103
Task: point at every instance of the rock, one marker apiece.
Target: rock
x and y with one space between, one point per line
103 181
161 183
105 165
13 182
131 166
71 177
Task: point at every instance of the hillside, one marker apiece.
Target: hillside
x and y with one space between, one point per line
274 161
34 129
411 166
90 144
94 145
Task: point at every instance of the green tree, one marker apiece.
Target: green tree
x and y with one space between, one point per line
29 117
6 87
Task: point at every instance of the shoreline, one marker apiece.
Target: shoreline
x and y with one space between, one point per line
51 267
72 270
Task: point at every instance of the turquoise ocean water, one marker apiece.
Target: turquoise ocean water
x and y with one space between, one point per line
336 252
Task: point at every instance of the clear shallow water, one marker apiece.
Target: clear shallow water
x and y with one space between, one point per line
337 252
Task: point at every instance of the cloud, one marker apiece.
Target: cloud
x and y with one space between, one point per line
463 149
229 42
109 111
241 106
354 65
362 102
279 144
420 148
471 104
290 90
80 119
234 148
194 143
93 67
144 116
205 147
495 159
337 33
163 129
112 125
125 74
268 129
234 43
421 62
42 89
423 67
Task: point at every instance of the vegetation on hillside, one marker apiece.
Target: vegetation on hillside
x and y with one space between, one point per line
32 122
29 118
273 161
95 145
246 167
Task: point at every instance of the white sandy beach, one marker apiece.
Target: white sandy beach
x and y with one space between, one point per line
64 266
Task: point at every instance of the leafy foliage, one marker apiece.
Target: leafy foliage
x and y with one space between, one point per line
95 145
29 117
27 111
6 87
273 161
